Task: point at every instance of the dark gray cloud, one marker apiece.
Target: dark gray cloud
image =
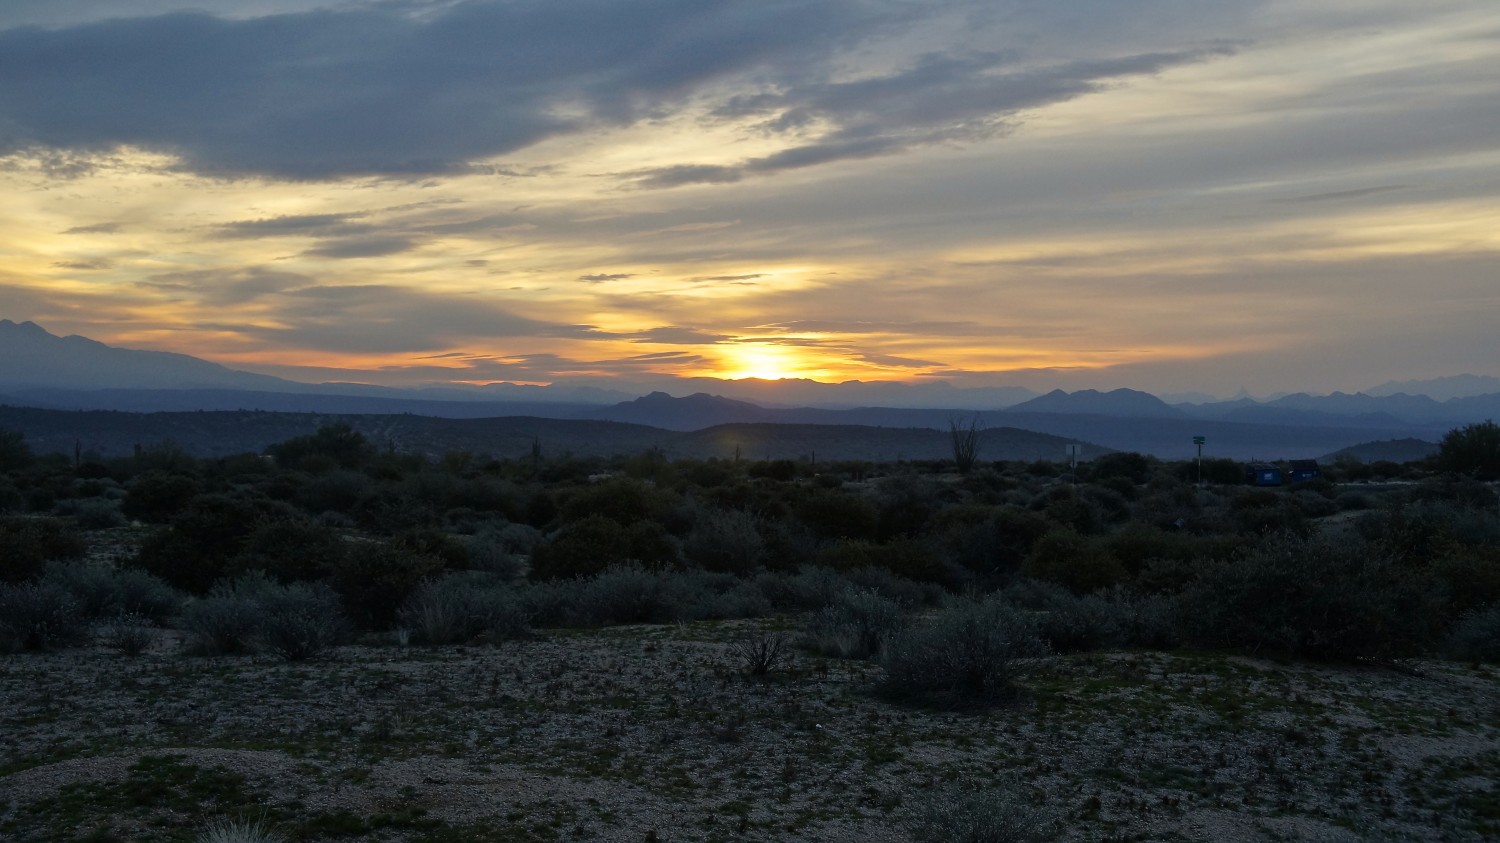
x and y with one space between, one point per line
296 225
731 278
601 277
939 98
362 247
832 326
97 228
675 335
227 286
1338 195
82 265
377 90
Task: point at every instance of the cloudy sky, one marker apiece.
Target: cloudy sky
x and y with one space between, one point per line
1166 194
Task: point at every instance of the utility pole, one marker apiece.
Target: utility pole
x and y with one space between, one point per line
1199 440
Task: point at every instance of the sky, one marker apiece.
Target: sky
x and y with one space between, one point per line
1169 195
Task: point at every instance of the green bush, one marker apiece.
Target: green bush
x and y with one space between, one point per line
205 542
591 545
157 496
39 616
221 625
1070 622
28 543
1473 449
1476 636
1080 563
290 550
462 606
725 540
375 579
958 815
970 656
103 591
131 635
835 514
300 620
856 625
1317 598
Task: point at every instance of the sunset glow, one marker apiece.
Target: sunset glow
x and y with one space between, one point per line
1271 195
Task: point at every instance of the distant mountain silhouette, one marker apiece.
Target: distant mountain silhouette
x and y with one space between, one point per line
1441 389
1129 403
693 412
32 357
1394 450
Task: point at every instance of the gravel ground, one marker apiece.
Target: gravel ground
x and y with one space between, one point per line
656 733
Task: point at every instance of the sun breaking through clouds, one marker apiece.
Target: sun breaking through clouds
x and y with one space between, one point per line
1168 195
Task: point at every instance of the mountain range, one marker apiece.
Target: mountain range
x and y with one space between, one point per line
41 370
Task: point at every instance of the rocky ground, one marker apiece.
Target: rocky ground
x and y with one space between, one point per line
657 733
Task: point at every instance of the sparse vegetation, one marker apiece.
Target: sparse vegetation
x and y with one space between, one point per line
950 626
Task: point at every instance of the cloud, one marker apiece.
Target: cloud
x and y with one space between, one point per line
601 277
221 287
751 277
82 265
296 225
362 247
674 335
379 90
939 98
1339 195
97 228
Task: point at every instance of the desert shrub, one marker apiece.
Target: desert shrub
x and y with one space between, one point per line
1069 622
332 446
238 831
1127 465
462 606
623 500
838 515
104 591
1080 563
1470 576
1473 449
1476 636
593 544
631 594
204 542
28 543
300 620
11 499
39 616
91 513
488 553
291 549
157 496
131 635
1066 506
14 452
958 815
725 540
969 656
788 544
759 652
375 579
1317 598
221 625
1147 620
856 625
335 491
808 589
433 542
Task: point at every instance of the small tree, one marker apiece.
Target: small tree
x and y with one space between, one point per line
965 443
1472 449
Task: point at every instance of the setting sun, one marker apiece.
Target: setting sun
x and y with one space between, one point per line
766 362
